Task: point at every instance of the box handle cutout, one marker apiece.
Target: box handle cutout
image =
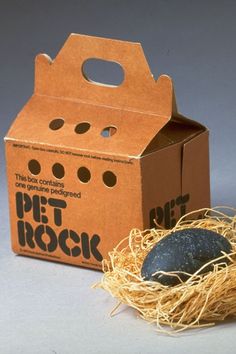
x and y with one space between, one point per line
103 72
121 77
84 174
109 179
108 131
56 124
34 167
82 128
58 171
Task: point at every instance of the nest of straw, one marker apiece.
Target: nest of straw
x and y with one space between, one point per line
202 300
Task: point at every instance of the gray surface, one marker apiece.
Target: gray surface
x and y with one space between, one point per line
50 308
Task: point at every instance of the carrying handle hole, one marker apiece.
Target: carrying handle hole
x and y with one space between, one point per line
103 72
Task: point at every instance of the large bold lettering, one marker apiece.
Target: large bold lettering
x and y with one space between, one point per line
25 234
63 237
42 230
23 204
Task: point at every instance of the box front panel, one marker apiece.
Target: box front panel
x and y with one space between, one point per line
70 206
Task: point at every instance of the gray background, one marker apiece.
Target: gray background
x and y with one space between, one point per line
50 308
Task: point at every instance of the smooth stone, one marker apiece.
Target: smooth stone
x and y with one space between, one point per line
184 251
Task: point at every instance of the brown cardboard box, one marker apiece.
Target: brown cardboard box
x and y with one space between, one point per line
87 162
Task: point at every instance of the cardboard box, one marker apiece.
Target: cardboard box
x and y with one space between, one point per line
87 162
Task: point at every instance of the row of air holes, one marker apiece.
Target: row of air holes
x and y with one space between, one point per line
83 173
82 127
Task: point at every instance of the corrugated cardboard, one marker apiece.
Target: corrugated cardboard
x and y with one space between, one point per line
76 189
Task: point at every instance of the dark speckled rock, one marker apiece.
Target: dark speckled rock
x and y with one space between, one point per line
183 251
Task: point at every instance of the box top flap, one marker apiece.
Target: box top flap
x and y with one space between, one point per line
64 77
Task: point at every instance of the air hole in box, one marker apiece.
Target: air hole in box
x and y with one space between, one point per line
34 167
82 128
109 179
58 171
84 174
108 131
56 124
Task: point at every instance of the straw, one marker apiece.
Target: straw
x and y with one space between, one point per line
202 300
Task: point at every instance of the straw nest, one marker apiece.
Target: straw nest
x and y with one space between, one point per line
202 300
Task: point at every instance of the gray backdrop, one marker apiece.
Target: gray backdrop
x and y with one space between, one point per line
50 308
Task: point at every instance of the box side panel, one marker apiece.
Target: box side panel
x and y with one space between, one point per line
161 186
176 181
64 218
195 171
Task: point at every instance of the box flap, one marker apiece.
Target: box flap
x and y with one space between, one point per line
35 124
63 77
178 128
